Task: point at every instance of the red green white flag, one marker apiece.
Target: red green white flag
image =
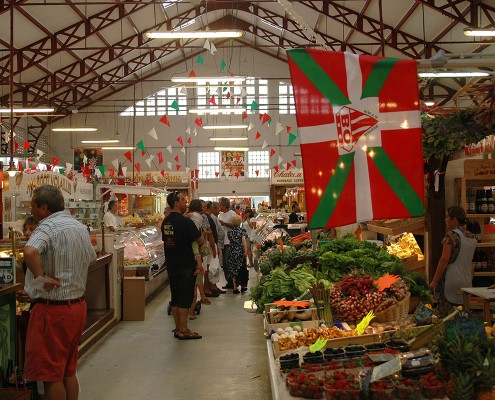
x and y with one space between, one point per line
360 132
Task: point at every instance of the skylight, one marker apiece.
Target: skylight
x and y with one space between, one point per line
271 25
168 3
185 25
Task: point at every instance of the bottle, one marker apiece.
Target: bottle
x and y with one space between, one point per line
474 262
484 202
491 203
484 261
470 202
478 201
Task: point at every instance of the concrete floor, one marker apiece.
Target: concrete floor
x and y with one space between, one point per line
142 360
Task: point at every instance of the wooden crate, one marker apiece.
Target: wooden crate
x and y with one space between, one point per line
397 226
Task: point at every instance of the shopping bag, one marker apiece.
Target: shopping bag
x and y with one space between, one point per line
214 271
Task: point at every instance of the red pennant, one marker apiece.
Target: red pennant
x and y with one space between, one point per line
143 153
177 166
294 162
160 157
111 172
189 140
238 100
272 152
20 167
85 171
258 135
288 129
26 145
244 115
179 139
217 173
138 167
288 166
257 172
236 174
176 158
49 168
162 172
128 155
260 116
165 120
275 168
212 100
199 122
16 146
265 119
228 95
192 74
54 161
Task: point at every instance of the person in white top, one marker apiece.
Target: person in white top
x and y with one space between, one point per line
109 218
225 219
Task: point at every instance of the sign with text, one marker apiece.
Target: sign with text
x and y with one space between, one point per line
83 190
466 327
287 177
6 270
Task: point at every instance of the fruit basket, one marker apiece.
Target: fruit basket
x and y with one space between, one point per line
396 312
382 390
308 388
407 389
432 387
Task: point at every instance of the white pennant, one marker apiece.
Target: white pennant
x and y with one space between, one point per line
243 92
188 131
251 126
169 165
39 153
280 160
183 150
207 45
148 160
124 171
183 90
264 144
85 159
213 49
98 173
195 131
187 170
213 90
279 128
152 133
68 167
115 164
267 170
169 148
207 173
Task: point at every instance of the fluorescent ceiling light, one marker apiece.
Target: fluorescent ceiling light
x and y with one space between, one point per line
479 32
208 79
196 34
225 126
229 138
453 74
28 110
117 148
231 148
225 110
86 129
101 141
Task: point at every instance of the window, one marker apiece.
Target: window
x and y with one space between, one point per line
159 104
258 161
209 165
286 99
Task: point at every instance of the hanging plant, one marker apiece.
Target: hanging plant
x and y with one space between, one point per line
443 136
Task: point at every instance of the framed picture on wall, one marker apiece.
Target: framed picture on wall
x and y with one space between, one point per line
94 158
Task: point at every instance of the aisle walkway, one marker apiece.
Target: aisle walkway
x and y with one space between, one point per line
142 360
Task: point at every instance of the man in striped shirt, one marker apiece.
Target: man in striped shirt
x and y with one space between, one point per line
57 255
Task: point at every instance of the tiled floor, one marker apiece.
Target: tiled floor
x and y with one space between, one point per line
142 360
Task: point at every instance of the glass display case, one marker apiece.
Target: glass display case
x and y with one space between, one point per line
143 251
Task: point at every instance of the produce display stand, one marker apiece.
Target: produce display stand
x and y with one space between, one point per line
485 294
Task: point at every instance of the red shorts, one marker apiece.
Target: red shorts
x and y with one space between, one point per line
53 337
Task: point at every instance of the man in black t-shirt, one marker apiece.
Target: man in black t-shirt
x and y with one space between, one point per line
178 234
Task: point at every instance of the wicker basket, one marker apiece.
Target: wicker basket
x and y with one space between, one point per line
397 312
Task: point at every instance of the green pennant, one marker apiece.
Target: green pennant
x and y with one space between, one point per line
61 171
254 106
140 145
200 60
102 169
292 137
224 88
223 66
175 105
269 122
244 105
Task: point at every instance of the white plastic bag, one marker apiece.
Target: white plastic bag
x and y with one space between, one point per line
214 271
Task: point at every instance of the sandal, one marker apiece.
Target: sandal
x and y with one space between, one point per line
192 317
176 333
189 335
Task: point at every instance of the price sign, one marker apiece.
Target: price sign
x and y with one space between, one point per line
6 270
390 367
466 327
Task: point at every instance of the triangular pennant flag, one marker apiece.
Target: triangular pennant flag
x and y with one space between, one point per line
85 159
111 172
54 161
278 128
223 65
269 122
39 154
213 49
288 129
162 172
195 131
26 146
294 162
179 139
68 167
165 120
138 167
176 158
200 60
183 150
258 135
160 157
244 115
189 140
183 90
264 144
292 137
260 116
243 92
175 105
251 126
198 121
169 148
205 46
142 153
101 168
128 155
21 168
177 167
192 74
213 90
236 173
272 152
228 95
153 134
188 131
140 145
187 170
238 100
16 146
217 173
207 173
288 165
212 100
266 118
275 168
124 171
169 165
115 163
149 160
257 172
280 160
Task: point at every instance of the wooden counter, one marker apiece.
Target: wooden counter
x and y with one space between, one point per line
9 288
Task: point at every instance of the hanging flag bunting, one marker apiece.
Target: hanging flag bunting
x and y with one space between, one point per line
169 165
189 141
212 100
138 167
21 168
264 145
179 139
143 153
275 168
187 170
115 163
278 128
175 105
16 146
258 135
128 155
254 106
194 178
363 155
251 126
288 129
238 100
287 166
217 173
244 115
200 60
206 45
265 119
192 74
54 161
101 168
149 160
213 49
140 145
280 160
223 65
85 159
177 167
272 152
176 158
199 121
228 95
188 131
292 137
162 172
169 148
213 90
111 172
26 146
183 90
39 154
195 131
124 171
257 172
160 157
294 163
243 92
236 174
165 120
153 134
207 173
183 150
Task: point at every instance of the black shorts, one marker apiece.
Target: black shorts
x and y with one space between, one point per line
182 289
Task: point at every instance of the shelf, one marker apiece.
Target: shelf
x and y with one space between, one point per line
485 244
484 274
480 215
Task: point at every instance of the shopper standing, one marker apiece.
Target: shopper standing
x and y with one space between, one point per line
57 256
109 218
178 234
225 218
236 270
454 269
221 238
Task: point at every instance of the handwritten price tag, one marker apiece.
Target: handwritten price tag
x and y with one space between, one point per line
318 345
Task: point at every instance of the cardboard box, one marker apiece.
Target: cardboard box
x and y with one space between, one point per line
314 324
134 298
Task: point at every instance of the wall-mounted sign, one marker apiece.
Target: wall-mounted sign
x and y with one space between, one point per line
23 184
287 178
